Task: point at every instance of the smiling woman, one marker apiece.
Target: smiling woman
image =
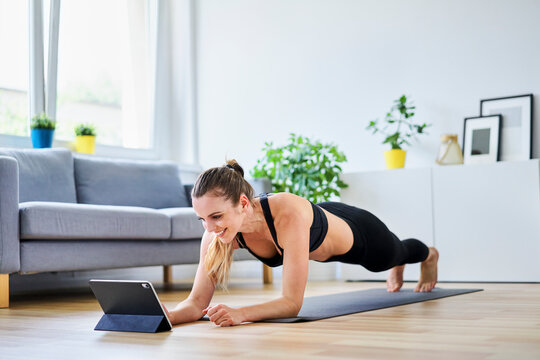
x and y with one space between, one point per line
286 229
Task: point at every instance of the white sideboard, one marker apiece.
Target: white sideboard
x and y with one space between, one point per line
484 219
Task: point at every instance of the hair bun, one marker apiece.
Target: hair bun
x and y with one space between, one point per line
233 164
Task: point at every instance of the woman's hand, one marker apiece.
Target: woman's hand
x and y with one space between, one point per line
223 315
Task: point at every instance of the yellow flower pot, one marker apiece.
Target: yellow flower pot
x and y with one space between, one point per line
395 159
85 144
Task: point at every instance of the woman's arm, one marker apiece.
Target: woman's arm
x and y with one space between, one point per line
294 239
191 309
295 243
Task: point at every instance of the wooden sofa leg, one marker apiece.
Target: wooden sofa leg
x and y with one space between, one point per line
4 290
167 275
268 277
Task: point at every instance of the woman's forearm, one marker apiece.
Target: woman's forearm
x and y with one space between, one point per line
278 308
186 311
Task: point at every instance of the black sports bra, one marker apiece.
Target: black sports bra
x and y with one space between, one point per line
317 232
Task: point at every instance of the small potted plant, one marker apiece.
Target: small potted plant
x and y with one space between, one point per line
85 138
42 131
399 129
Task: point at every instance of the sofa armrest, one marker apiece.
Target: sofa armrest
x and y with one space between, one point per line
188 189
9 216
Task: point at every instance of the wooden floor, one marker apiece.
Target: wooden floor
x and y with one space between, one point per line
502 322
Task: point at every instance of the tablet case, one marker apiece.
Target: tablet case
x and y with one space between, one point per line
129 306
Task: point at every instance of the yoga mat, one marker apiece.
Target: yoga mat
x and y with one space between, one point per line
327 306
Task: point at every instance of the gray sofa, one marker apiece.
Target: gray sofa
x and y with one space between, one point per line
65 212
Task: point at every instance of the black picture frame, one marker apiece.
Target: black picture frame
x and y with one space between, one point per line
517 113
487 147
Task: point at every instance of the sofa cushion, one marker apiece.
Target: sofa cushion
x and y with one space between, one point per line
185 224
44 174
59 255
153 184
54 220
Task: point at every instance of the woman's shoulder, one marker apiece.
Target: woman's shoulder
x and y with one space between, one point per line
285 198
288 205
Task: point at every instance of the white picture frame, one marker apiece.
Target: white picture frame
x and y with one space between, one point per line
481 139
516 125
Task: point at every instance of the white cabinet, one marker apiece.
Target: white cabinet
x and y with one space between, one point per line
487 221
484 219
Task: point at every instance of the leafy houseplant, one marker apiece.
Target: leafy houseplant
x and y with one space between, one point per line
302 167
85 138
398 130
42 131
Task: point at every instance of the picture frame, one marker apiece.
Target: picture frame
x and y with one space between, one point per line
481 139
516 126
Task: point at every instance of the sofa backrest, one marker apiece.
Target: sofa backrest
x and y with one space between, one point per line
153 184
44 174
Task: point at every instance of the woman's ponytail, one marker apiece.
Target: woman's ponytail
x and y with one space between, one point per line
218 260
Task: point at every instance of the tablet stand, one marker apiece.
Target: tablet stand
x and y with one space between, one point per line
137 323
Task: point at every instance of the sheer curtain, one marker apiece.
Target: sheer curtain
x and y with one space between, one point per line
104 71
14 67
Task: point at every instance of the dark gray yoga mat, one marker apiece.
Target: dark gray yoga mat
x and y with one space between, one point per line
327 306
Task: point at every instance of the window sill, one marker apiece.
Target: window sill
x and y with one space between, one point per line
12 141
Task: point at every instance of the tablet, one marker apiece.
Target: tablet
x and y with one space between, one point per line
129 305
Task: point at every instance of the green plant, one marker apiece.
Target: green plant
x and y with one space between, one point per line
302 167
85 129
42 121
399 127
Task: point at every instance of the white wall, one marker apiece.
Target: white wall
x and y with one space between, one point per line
324 68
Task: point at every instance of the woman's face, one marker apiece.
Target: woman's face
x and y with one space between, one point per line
219 216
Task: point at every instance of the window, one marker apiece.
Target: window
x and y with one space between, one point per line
14 67
104 71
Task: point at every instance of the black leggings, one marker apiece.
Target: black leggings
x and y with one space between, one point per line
375 247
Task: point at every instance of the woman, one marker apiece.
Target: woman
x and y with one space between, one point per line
285 229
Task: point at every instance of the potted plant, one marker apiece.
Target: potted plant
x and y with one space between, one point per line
42 131
302 167
85 138
399 129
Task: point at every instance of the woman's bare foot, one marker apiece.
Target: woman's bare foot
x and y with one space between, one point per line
428 272
395 278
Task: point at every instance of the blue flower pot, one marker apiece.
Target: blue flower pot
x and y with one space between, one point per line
42 138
